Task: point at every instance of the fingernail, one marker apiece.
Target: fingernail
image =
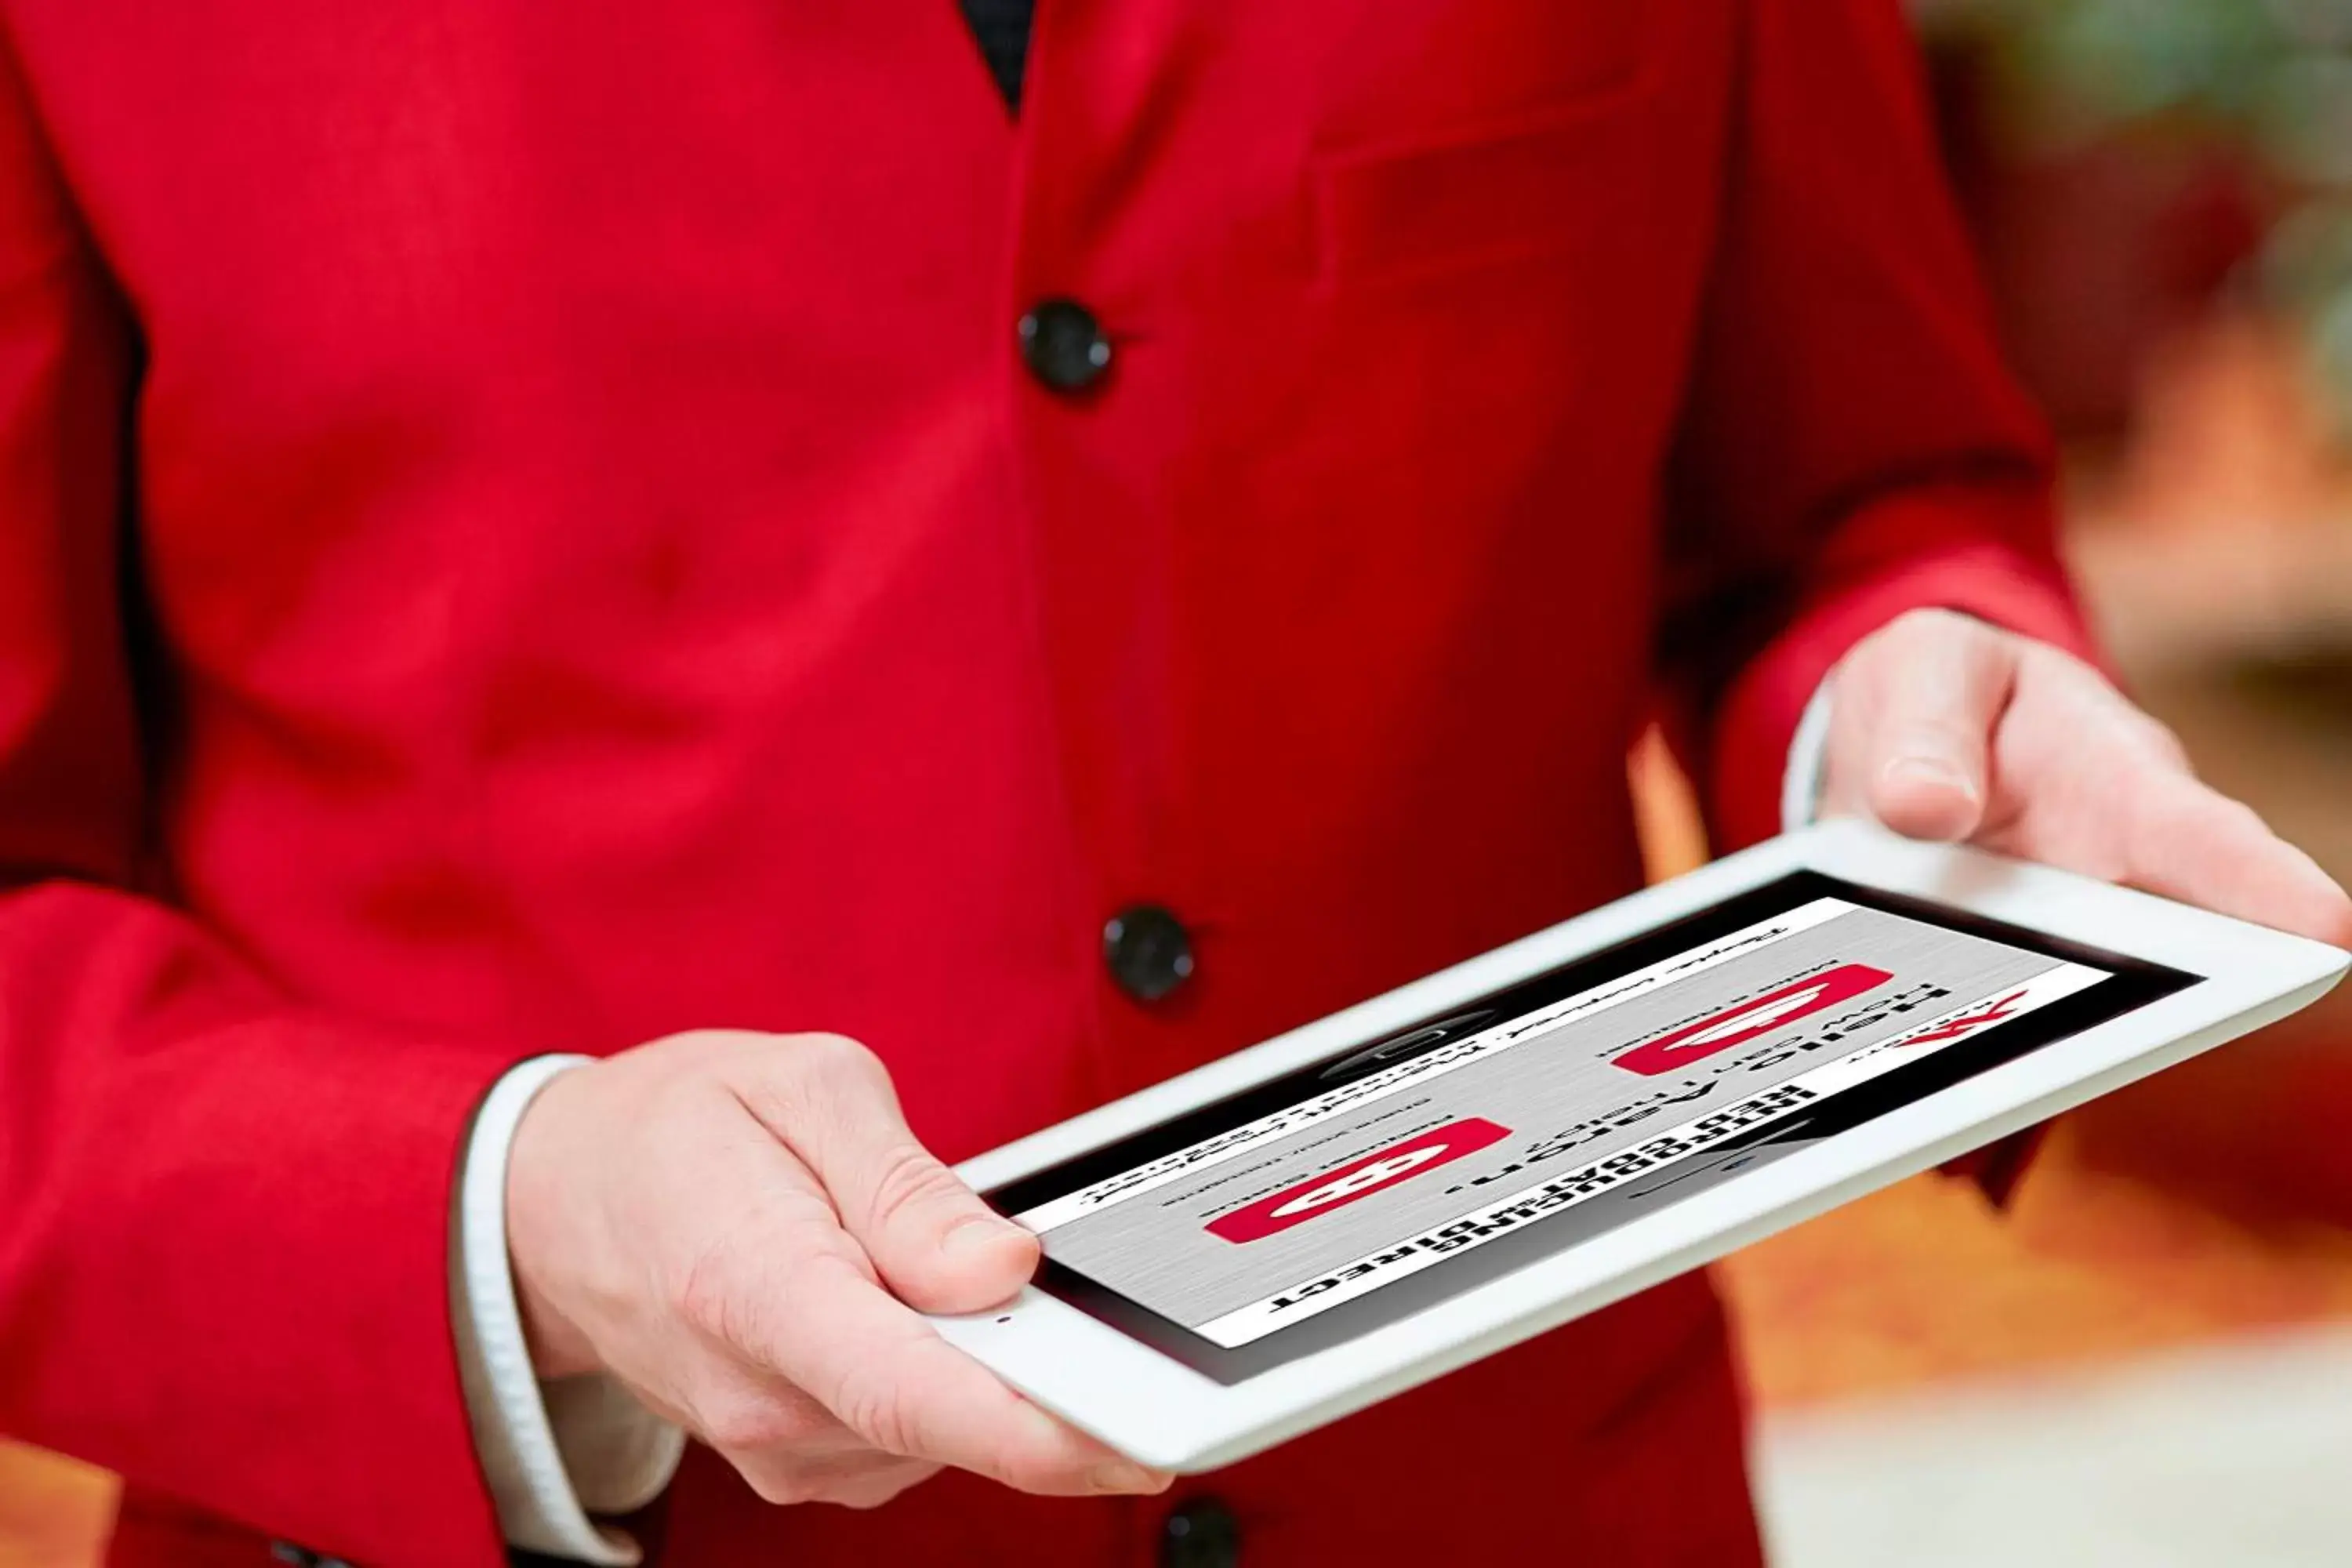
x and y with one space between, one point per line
974 1233
1931 770
1126 1478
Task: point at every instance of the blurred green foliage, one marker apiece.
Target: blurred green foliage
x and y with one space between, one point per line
2276 74
2272 77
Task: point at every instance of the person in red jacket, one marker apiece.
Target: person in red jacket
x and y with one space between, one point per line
937 568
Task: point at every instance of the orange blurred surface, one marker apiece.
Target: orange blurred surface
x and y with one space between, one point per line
1923 1283
53 1512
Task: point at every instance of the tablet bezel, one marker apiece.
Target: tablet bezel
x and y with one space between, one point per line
1147 1404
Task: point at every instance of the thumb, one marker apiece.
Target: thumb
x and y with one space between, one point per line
1925 695
934 1243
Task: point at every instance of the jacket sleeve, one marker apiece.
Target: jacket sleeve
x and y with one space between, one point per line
224 1218
1852 447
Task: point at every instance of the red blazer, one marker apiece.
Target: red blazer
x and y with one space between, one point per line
528 527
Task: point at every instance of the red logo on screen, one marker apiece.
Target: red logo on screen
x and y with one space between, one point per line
1953 1029
1357 1179
1749 1019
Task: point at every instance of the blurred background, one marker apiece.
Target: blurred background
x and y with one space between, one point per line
2148 1361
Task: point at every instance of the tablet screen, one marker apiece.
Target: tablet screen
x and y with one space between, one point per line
1372 1184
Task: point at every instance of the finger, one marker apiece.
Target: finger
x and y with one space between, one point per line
762 1424
791 1449
883 1374
1927 694
787 1448
787 1480
2187 842
934 1242
872 1484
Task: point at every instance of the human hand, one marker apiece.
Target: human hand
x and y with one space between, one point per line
742 1229
1943 727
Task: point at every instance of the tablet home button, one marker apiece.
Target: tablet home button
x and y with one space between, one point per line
1200 1533
1147 952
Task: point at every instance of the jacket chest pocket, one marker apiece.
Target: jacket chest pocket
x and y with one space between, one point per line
1575 179
1458 133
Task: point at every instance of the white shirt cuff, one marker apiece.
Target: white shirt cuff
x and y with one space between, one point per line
1801 778
553 1451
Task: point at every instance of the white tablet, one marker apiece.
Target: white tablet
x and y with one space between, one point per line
1287 1235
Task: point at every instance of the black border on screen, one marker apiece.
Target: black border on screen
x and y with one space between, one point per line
2133 983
